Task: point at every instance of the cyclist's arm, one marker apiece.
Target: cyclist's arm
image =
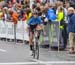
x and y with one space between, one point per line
40 24
40 21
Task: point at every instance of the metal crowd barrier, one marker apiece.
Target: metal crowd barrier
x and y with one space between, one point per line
7 30
54 34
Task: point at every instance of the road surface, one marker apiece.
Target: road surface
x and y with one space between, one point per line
19 54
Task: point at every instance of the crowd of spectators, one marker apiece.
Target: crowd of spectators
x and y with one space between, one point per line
22 7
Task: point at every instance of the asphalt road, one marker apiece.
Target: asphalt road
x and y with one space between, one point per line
18 54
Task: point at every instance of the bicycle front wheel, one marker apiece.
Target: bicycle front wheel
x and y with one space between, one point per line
36 51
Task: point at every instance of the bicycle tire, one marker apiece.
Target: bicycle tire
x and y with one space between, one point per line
36 51
33 51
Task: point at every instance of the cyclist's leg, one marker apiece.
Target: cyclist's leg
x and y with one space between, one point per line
38 34
31 40
31 34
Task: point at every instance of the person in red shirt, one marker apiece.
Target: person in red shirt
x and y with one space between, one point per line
14 16
24 17
13 1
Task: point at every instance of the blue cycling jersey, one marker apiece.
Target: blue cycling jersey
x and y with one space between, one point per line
34 21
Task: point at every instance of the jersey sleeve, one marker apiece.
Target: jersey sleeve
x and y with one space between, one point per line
40 21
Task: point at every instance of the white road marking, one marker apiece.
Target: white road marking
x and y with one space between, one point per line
71 55
37 60
57 62
44 62
18 63
53 62
2 50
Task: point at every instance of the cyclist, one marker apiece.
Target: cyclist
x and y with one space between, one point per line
33 23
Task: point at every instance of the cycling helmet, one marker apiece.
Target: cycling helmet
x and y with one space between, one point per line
34 11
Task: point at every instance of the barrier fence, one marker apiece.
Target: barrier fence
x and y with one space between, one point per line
54 34
7 30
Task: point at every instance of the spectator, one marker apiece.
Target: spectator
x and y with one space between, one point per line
50 13
71 2
2 3
63 36
5 13
13 15
10 4
29 14
52 1
24 18
64 22
67 5
71 28
1 13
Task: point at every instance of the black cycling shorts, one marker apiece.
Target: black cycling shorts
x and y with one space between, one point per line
44 23
32 28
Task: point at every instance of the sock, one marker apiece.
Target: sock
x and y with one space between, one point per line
38 37
31 47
